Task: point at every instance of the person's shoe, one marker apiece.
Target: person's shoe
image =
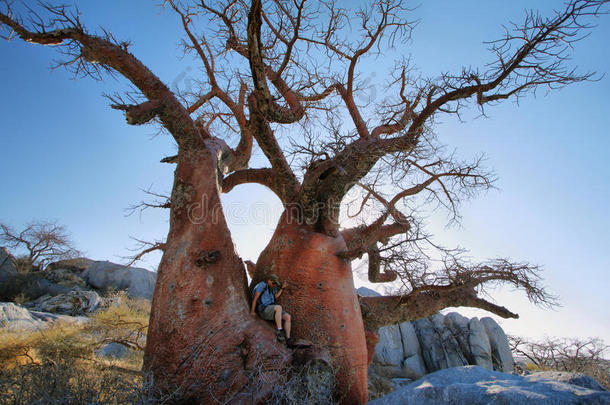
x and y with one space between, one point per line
293 343
280 336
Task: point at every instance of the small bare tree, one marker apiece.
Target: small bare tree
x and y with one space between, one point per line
44 242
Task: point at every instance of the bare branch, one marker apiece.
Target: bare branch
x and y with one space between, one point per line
161 201
141 113
264 102
390 310
90 49
142 249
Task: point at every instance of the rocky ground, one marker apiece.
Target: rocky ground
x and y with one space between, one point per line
69 293
477 385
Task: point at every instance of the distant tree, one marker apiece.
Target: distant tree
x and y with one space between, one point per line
284 77
44 242
575 355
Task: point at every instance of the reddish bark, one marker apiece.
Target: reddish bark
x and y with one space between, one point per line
201 337
390 310
372 338
321 298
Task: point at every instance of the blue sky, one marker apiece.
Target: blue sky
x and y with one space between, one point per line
67 156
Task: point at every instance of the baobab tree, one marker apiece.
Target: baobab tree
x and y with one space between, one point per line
291 68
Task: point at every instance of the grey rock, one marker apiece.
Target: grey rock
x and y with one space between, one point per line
449 343
413 349
367 292
432 350
478 341
113 350
439 347
413 365
15 318
502 357
76 265
8 269
136 281
458 326
401 382
51 319
72 303
389 353
41 286
477 385
71 272
30 285
410 343
579 379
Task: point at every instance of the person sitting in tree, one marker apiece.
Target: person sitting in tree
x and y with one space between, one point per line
265 293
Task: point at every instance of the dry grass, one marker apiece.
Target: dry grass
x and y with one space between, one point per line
59 365
379 387
125 322
311 385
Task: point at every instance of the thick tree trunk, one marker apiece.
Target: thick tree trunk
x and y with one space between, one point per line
202 341
321 299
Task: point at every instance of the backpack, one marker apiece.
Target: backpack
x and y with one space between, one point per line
259 305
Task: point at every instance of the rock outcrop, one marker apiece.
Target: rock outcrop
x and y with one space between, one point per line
71 286
71 272
580 379
501 355
480 348
82 274
137 282
15 318
414 349
30 286
440 346
76 302
477 385
412 364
